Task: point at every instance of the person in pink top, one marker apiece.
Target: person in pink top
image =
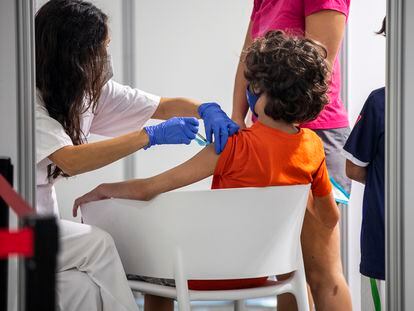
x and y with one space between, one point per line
323 21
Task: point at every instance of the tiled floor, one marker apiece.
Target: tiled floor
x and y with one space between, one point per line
265 304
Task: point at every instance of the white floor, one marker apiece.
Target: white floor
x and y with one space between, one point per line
263 304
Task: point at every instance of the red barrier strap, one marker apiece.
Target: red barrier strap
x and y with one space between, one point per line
16 243
13 199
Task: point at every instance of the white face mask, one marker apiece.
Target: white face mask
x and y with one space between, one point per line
108 70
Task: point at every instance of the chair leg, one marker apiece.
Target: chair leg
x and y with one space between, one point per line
300 289
239 305
183 298
181 285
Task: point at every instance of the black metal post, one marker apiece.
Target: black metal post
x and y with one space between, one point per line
6 169
40 270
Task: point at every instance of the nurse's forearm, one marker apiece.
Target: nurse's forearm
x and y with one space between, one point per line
176 107
75 160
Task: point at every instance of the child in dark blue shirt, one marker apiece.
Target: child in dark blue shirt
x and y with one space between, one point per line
365 153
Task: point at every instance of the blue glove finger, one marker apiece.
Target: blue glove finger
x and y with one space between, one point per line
192 121
189 132
193 128
209 132
186 141
223 138
217 139
233 129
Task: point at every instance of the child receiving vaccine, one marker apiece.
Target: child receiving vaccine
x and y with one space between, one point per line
288 85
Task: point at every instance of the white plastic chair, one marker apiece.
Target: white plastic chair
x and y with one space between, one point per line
220 234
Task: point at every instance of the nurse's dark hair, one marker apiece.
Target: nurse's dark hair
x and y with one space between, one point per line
292 72
71 37
383 30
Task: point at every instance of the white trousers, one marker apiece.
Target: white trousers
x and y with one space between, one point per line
90 275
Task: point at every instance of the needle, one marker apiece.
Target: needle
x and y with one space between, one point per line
201 137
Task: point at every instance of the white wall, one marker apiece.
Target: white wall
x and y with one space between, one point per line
192 52
366 65
191 49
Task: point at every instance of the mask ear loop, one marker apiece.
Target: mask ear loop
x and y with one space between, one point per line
252 99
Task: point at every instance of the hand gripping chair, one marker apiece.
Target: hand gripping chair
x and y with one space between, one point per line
203 235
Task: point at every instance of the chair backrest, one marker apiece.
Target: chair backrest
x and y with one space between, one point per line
217 234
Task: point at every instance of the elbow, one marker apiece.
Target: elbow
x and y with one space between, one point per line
147 197
350 173
67 160
355 172
69 170
349 170
332 221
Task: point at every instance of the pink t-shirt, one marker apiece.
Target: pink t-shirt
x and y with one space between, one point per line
289 16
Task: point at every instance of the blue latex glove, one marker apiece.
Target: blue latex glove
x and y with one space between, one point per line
218 123
172 131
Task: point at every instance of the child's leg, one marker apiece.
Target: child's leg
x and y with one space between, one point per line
156 303
321 254
287 302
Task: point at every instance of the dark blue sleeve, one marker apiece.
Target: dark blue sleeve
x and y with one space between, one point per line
361 145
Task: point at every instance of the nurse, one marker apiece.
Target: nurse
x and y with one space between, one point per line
323 21
76 97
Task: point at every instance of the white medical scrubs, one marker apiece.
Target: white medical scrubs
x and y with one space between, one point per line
89 273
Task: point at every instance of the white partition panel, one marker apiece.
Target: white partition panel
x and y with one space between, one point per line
366 72
400 151
187 48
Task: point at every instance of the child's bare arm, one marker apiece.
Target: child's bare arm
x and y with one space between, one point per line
325 209
200 166
355 172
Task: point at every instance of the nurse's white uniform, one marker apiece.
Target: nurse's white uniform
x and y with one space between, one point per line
89 273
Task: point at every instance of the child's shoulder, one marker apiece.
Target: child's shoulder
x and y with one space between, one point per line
311 135
376 98
378 93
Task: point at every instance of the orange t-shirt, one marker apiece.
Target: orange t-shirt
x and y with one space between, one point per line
261 156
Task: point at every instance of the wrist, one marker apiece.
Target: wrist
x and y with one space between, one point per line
104 190
205 106
143 138
148 137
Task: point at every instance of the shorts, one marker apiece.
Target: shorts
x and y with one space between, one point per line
333 142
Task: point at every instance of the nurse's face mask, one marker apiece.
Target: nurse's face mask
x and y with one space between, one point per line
108 68
252 98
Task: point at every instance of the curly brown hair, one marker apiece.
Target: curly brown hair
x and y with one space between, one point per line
293 74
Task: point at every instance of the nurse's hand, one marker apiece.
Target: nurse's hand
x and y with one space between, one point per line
218 123
173 131
95 195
